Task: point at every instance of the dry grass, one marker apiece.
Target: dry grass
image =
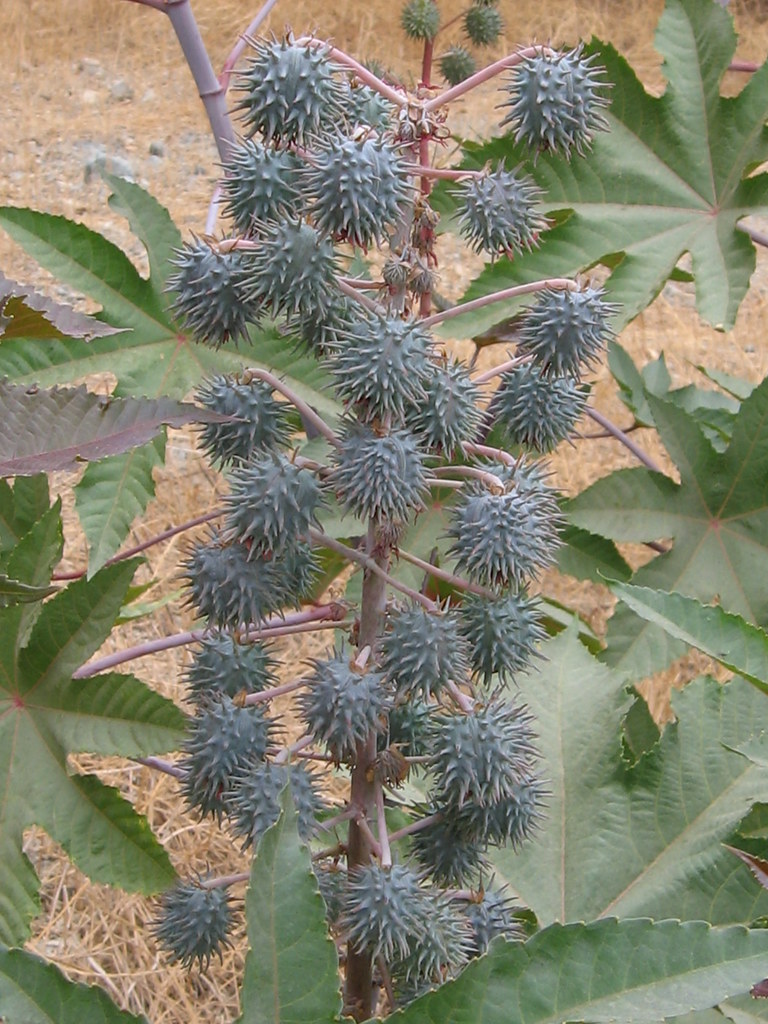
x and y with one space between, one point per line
98 934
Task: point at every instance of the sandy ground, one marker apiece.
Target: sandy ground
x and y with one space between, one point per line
104 77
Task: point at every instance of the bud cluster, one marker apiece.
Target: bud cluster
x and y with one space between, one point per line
329 168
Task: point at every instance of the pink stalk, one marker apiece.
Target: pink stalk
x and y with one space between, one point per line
561 283
510 61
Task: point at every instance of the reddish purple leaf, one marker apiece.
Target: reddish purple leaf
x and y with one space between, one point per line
26 313
757 866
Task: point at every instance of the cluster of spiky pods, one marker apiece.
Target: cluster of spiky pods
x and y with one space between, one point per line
332 161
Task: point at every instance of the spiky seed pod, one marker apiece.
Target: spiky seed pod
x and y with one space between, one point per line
510 821
422 653
457 64
385 910
556 101
381 366
408 728
379 477
423 278
566 331
450 413
503 634
253 800
193 923
365 107
212 300
397 270
293 269
321 331
291 93
230 589
420 19
331 881
448 856
261 422
483 24
356 187
271 506
535 410
223 667
342 706
499 212
502 539
222 738
299 568
259 184
479 758
489 917
441 950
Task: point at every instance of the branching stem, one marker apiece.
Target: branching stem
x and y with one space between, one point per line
306 410
560 283
628 443
486 73
447 577
381 821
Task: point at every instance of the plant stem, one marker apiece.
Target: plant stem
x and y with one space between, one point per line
466 703
243 41
338 819
274 691
381 821
758 237
161 765
210 89
448 173
560 283
311 618
416 826
490 453
625 440
307 412
223 881
441 574
332 53
138 548
497 371
359 296
369 564
473 473
510 61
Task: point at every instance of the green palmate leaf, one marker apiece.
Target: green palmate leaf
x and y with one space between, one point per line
24 312
673 175
589 557
712 410
20 508
291 970
605 971
716 517
643 839
729 639
14 591
157 357
43 431
152 224
35 992
112 494
45 715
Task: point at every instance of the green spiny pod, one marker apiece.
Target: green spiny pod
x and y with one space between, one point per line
222 739
271 506
483 24
356 188
490 916
448 856
567 330
291 93
422 653
385 910
457 64
499 212
259 422
450 413
381 366
480 758
260 184
510 821
503 634
556 101
222 666
408 728
322 330
212 295
503 537
253 800
230 589
535 410
292 269
193 923
438 953
379 477
342 705
364 107
420 19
